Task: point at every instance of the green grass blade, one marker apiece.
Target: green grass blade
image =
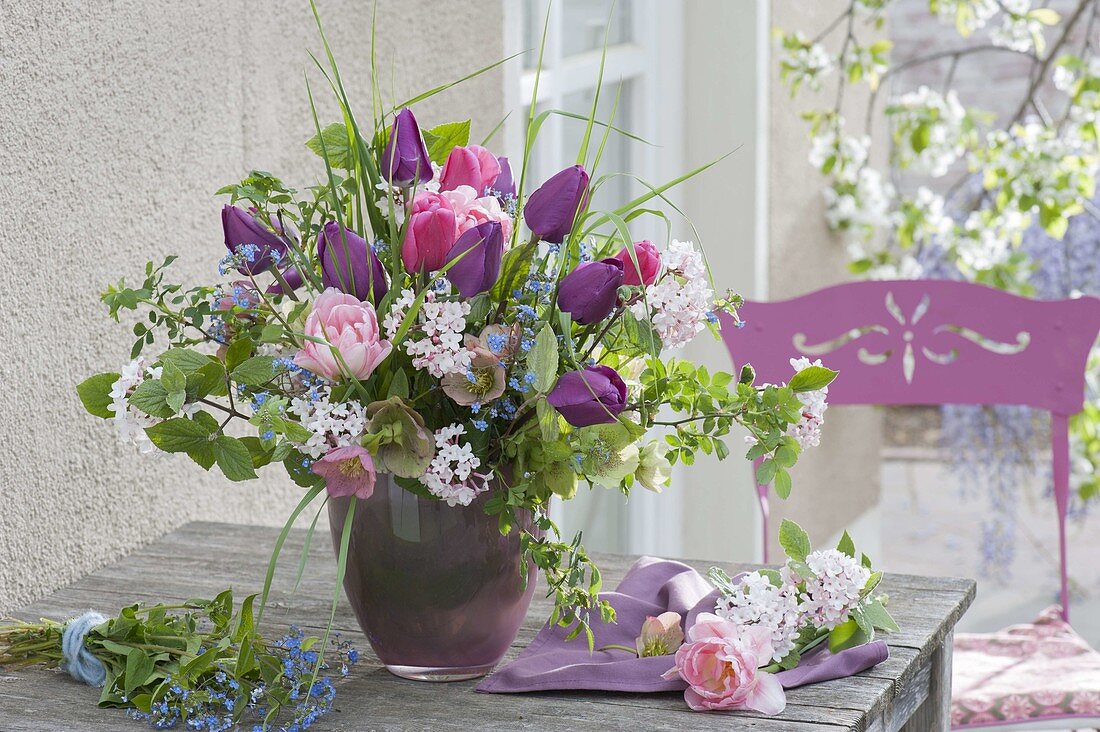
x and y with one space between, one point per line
341 570
306 547
582 154
306 500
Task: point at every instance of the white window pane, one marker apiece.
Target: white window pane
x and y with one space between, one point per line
584 23
533 20
617 153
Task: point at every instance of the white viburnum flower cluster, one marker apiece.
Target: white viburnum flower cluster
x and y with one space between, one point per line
931 130
832 591
331 425
130 422
839 155
679 303
441 350
1020 30
451 474
861 207
807 431
987 238
804 62
754 600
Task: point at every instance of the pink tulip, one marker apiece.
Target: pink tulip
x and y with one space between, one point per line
472 166
720 662
353 345
649 263
431 232
471 211
348 471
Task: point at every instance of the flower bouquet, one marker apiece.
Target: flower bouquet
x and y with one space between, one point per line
436 348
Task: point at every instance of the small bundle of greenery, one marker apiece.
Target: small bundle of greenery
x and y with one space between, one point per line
197 664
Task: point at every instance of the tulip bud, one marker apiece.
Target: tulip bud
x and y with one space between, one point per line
505 184
349 264
649 263
594 395
472 166
246 236
551 210
430 234
480 249
405 160
589 293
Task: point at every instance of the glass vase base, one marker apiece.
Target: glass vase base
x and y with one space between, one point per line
440 674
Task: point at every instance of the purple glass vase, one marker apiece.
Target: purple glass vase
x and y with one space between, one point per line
436 589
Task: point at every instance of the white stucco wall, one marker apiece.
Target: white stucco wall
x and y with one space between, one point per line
119 121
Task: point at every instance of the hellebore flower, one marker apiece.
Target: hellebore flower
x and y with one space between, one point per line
259 246
431 233
402 443
649 263
483 383
589 293
349 264
654 470
551 210
481 249
348 471
661 635
472 166
405 160
594 395
609 454
505 184
348 327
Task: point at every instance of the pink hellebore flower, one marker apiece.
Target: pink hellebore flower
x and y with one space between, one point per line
348 471
431 233
661 635
472 166
350 328
721 664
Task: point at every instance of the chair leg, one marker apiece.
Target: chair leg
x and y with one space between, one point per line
1059 438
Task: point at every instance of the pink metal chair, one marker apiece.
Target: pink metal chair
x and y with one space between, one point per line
942 342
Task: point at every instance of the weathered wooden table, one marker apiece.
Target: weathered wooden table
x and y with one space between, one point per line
909 691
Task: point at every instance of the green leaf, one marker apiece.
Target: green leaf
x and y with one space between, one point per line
794 540
233 458
440 140
139 667
846 635
336 146
846 545
766 472
179 435
399 385
811 379
271 333
152 398
184 359
256 371
95 394
748 375
877 615
782 483
542 359
237 353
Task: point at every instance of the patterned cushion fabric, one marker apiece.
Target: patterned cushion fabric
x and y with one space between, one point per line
1036 672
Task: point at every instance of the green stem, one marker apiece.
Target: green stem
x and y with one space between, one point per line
617 647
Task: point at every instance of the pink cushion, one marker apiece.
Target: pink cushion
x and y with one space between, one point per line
1024 673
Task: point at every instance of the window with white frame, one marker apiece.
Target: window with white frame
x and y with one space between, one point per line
643 70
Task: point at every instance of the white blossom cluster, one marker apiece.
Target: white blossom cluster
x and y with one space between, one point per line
862 207
1079 79
130 422
804 62
832 591
331 425
966 15
679 303
839 155
935 123
754 600
1018 30
987 239
441 350
451 473
807 431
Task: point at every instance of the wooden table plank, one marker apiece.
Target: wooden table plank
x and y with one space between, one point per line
200 559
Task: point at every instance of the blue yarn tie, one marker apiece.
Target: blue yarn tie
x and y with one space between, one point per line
78 660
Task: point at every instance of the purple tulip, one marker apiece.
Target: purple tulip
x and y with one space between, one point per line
292 277
590 292
246 236
551 210
505 184
405 160
336 248
595 395
481 248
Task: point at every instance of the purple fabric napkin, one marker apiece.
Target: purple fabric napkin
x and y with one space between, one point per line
652 586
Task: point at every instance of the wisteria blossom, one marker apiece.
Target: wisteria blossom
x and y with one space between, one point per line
680 302
452 474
